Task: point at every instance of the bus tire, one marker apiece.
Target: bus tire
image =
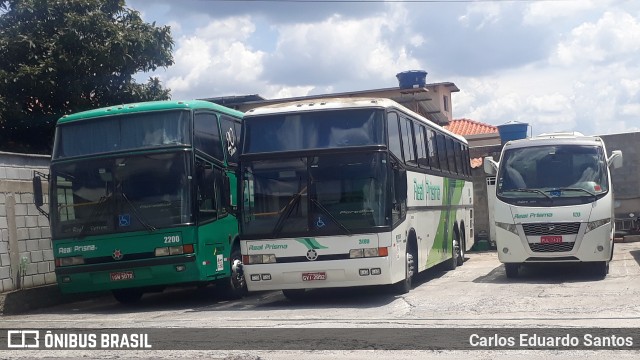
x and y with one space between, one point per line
404 286
461 247
127 296
601 269
235 286
452 263
511 269
294 294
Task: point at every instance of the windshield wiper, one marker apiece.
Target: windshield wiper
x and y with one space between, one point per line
98 209
328 213
286 212
535 191
137 215
575 189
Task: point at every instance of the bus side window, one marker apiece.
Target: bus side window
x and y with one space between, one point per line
399 192
423 160
394 135
207 135
431 149
451 156
442 151
230 138
207 190
409 152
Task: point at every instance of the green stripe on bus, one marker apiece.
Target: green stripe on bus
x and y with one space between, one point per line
311 243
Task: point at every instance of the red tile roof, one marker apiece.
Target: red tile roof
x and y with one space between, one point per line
470 127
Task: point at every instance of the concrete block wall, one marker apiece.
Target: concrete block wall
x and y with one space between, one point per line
26 255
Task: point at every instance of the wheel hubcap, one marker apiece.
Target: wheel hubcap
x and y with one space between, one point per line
410 265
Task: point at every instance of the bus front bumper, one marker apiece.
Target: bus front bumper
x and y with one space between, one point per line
321 274
597 246
152 272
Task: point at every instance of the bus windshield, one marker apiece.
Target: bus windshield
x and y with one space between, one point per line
317 195
314 130
120 194
126 132
567 174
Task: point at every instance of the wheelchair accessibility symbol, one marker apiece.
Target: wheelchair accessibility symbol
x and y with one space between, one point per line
320 223
124 220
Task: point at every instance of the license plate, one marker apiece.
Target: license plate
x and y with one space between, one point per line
550 239
314 276
121 275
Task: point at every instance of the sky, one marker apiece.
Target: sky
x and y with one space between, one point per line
558 65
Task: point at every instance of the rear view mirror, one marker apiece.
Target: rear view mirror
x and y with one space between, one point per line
490 166
38 198
615 159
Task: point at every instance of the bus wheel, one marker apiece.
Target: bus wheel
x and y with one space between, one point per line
460 257
511 269
455 253
235 287
127 296
294 294
404 286
601 269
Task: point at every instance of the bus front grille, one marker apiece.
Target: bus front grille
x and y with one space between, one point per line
557 247
538 229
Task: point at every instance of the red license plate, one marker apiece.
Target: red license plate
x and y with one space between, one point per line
121 275
314 276
550 239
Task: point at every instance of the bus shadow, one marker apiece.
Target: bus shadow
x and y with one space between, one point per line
191 299
173 298
548 273
636 255
356 297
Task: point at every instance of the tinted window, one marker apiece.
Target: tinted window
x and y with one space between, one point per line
394 135
230 137
432 149
442 151
209 182
423 161
207 135
451 155
466 160
407 141
122 132
313 130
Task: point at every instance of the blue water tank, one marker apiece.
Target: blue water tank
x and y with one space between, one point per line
412 79
512 130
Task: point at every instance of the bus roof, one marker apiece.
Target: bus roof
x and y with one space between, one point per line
556 138
145 107
342 103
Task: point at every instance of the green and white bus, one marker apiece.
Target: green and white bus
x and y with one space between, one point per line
141 197
554 201
350 192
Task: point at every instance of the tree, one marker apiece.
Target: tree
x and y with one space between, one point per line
63 56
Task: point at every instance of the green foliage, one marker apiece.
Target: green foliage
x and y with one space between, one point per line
63 56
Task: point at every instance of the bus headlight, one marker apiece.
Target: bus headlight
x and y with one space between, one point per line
174 250
368 252
509 227
259 259
68 261
596 224
356 253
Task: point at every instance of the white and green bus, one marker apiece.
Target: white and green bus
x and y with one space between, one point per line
350 192
554 201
